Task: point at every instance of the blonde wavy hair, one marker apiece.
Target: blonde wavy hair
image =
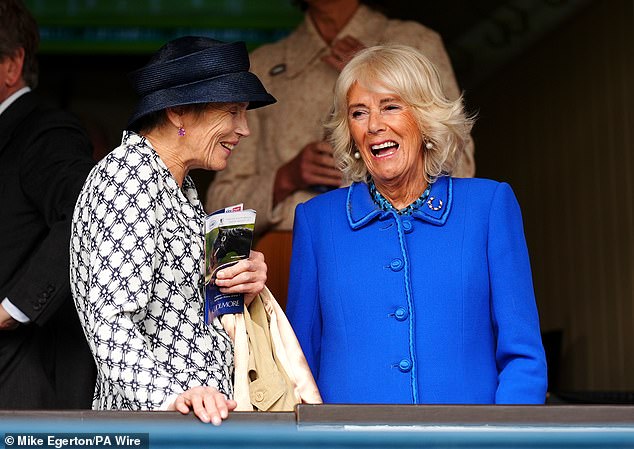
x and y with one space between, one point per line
404 71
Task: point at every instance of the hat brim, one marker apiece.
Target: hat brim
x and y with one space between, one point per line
239 87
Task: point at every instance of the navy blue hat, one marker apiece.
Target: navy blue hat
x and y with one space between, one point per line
193 69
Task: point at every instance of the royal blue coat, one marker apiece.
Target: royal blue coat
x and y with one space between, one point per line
437 307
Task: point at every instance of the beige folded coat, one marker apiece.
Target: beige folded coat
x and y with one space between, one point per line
271 372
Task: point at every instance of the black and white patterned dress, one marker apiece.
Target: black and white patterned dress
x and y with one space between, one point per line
137 281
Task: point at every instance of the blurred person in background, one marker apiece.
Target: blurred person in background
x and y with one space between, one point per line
45 156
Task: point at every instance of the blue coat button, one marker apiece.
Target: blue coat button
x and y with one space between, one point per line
405 365
408 226
401 314
396 265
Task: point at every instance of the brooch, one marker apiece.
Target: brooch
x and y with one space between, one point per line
430 204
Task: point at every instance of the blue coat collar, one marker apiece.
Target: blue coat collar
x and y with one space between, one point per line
361 209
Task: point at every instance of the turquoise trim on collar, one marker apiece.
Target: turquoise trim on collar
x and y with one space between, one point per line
361 208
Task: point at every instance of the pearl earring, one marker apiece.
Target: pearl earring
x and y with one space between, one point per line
428 144
357 155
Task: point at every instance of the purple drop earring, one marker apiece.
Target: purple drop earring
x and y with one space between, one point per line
181 131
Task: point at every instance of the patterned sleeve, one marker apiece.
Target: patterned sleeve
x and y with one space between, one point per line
112 264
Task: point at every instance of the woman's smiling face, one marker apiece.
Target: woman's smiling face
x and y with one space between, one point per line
216 132
387 135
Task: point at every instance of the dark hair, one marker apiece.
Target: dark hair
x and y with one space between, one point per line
18 29
157 118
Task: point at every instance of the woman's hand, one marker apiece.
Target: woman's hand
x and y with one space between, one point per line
342 51
209 404
248 276
314 165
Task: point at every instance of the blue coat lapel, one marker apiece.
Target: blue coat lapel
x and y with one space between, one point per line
361 209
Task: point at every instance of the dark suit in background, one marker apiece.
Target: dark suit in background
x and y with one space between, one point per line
44 160
45 157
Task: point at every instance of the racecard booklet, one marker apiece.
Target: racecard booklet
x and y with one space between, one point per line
228 238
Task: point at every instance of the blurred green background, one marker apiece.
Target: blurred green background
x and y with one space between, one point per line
141 26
